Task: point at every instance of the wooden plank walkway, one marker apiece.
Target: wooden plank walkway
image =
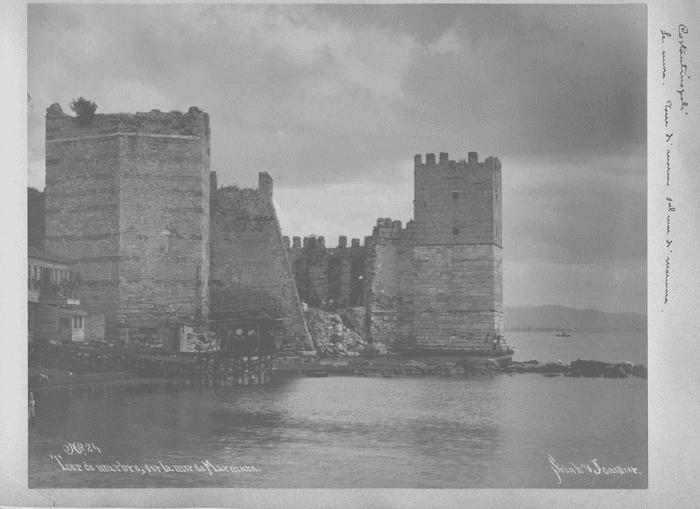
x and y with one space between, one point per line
233 366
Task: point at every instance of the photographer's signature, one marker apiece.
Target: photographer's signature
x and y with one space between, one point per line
592 467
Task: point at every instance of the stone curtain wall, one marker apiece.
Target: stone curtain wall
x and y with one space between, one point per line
383 283
316 269
405 337
131 200
251 277
113 188
457 295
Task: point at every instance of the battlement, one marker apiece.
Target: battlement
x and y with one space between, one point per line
265 184
232 198
390 231
386 222
444 160
320 242
194 124
386 228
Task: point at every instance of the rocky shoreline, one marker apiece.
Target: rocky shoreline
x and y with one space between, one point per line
464 366
386 366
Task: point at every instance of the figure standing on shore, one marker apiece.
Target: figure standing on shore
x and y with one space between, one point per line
32 403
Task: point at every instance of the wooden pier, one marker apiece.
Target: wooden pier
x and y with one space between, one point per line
237 360
217 368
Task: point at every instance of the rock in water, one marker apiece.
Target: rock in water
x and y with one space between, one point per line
616 372
640 371
627 366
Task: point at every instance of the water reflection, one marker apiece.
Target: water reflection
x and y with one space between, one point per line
343 432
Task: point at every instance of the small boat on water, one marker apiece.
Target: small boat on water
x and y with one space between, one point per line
563 334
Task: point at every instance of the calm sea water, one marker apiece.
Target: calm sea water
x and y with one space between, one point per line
346 432
608 347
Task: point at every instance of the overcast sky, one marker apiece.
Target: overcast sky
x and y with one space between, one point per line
334 102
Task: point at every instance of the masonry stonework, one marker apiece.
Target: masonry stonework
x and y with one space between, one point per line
457 294
130 198
329 276
437 283
127 197
251 277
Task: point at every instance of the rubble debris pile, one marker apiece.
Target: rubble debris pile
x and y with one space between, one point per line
340 334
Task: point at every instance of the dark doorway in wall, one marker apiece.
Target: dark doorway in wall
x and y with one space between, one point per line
357 288
334 279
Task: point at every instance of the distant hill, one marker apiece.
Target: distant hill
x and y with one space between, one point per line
547 318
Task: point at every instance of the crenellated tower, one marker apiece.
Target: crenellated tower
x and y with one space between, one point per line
457 290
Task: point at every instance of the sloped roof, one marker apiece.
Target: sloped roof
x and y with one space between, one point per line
40 254
71 312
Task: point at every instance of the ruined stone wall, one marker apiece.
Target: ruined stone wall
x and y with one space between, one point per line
322 273
383 282
127 198
457 296
250 274
405 337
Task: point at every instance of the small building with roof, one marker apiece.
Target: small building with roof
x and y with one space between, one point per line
54 312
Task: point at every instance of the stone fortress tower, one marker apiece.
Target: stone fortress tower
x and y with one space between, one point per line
131 201
457 288
435 284
127 199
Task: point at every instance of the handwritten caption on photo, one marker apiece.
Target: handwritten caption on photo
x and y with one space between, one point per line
592 468
83 449
681 106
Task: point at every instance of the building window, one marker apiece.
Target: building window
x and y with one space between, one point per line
165 241
455 195
77 322
64 322
455 231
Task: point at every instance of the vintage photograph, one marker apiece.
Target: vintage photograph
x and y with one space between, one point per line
337 246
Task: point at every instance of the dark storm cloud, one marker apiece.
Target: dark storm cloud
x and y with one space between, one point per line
334 101
575 210
598 222
542 80
518 81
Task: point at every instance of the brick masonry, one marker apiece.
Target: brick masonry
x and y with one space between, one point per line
127 198
457 290
437 283
323 274
131 200
251 276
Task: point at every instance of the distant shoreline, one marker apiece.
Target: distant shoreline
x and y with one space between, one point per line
559 329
